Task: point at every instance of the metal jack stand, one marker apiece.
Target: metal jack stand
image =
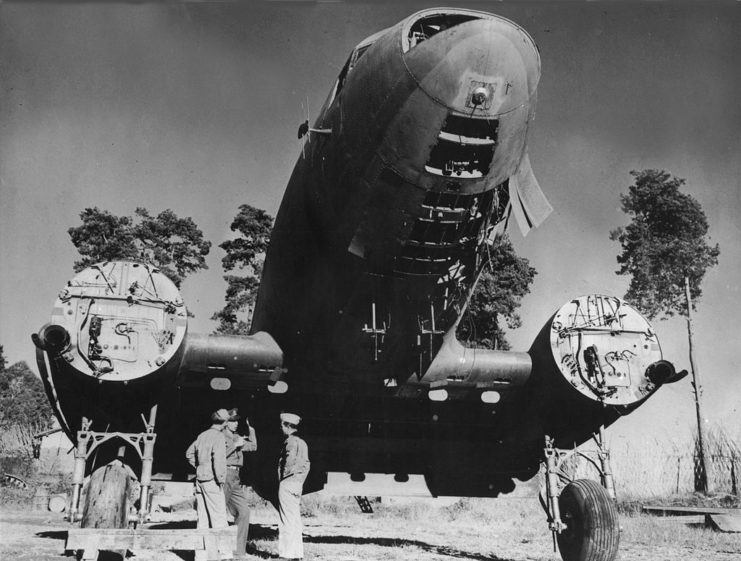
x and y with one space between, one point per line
146 442
556 477
88 441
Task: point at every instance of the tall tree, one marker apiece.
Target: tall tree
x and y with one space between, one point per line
497 297
172 244
102 237
665 251
244 254
664 243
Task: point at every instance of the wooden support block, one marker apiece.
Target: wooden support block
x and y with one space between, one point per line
90 553
725 522
211 545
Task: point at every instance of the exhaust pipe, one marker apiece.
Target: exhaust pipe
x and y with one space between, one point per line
52 338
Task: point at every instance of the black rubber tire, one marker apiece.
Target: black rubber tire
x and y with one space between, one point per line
593 528
106 503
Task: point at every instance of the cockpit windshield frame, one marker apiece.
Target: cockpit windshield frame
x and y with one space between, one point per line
426 24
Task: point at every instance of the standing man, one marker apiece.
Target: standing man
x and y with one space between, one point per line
234 491
208 455
293 467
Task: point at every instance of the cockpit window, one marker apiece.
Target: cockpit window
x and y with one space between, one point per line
425 27
349 65
360 51
342 76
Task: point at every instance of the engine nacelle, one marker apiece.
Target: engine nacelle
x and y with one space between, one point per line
601 349
116 322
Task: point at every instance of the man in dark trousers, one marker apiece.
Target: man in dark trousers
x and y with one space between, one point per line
293 467
234 492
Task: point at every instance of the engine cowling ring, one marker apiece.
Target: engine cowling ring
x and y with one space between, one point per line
603 349
124 321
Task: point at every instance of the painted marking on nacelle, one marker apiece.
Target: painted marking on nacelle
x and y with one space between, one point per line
490 397
438 395
220 384
279 387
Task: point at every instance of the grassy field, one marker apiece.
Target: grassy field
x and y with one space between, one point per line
505 529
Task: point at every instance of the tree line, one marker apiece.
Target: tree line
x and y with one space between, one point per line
24 409
176 246
664 251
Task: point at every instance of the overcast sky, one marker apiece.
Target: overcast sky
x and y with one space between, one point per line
195 108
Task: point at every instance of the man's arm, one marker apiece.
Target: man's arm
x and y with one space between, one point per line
190 454
302 460
288 458
297 459
219 459
232 443
250 444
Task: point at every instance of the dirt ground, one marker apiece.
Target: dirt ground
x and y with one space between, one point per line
514 531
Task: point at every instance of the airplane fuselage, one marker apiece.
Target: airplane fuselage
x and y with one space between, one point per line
408 176
382 229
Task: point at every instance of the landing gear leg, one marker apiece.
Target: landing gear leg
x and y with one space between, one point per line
113 475
604 459
582 516
555 524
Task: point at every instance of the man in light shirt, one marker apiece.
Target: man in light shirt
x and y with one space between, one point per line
208 455
293 467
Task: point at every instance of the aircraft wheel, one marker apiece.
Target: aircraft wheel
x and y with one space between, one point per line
107 497
593 531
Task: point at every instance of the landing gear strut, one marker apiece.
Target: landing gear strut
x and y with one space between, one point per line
109 484
581 513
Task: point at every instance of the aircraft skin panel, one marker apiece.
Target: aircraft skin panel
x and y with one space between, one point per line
531 207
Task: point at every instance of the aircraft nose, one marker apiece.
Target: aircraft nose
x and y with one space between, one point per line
486 66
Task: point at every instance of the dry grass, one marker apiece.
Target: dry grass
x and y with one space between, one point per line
656 469
644 531
505 529
419 529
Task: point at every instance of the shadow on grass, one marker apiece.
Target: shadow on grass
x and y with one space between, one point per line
53 534
260 532
174 525
396 542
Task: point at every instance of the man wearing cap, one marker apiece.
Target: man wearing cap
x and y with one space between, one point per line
208 455
293 467
234 491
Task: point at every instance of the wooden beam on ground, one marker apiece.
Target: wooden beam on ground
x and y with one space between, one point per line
89 541
688 510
